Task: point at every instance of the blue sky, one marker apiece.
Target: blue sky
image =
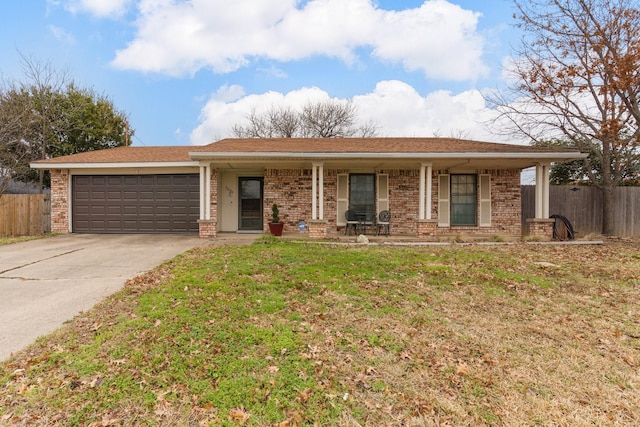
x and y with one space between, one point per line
185 71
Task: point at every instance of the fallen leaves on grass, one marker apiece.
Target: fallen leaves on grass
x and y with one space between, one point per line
514 335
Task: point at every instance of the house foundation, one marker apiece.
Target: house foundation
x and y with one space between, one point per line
207 228
540 227
427 228
317 229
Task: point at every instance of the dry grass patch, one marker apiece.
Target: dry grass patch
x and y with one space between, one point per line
292 334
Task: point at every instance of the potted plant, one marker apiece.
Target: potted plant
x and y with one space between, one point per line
275 225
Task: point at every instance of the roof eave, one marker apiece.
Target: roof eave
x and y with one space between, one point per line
550 156
108 165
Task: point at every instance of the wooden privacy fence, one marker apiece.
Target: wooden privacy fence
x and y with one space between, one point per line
582 205
25 214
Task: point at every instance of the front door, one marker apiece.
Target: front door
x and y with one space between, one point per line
250 214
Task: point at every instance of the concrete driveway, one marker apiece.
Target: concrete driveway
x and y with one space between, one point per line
45 282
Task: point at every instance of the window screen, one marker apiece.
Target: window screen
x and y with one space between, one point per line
464 196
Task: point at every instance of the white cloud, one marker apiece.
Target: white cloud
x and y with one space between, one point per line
61 34
228 106
401 111
181 37
394 106
99 8
438 38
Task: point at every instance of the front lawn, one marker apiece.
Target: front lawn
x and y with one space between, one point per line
285 334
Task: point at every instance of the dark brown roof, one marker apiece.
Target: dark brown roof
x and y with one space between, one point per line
169 154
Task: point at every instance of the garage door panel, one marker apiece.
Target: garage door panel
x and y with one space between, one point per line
147 196
135 203
98 180
98 210
82 180
180 210
146 210
121 210
130 195
166 180
82 195
83 224
148 180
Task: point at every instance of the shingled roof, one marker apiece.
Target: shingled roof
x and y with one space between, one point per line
297 147
367 145
127 155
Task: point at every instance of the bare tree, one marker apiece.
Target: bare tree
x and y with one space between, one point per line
329 119
577 77
277 122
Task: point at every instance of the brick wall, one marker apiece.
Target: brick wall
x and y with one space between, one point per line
291 190
60 187
540 228
505 205
404 197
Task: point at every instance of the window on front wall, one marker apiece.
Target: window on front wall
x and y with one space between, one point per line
362 196
464 199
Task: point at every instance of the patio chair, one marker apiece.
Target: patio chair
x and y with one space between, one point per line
352 222
383 222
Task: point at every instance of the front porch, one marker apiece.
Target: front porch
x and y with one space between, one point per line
419 200
435 188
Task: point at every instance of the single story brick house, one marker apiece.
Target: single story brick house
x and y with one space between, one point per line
432 186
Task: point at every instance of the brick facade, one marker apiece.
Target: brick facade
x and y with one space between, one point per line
404 197
540 228
506 206
291 190
207 228
317 229
60 193
428 228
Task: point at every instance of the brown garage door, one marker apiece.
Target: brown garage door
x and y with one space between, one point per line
135 203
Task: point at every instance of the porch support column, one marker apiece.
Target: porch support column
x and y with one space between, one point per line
205 192
207 195
542 190
206 226
424 210
317 191
317 224
203 185
541 226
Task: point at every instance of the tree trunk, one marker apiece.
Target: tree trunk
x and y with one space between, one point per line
608 199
